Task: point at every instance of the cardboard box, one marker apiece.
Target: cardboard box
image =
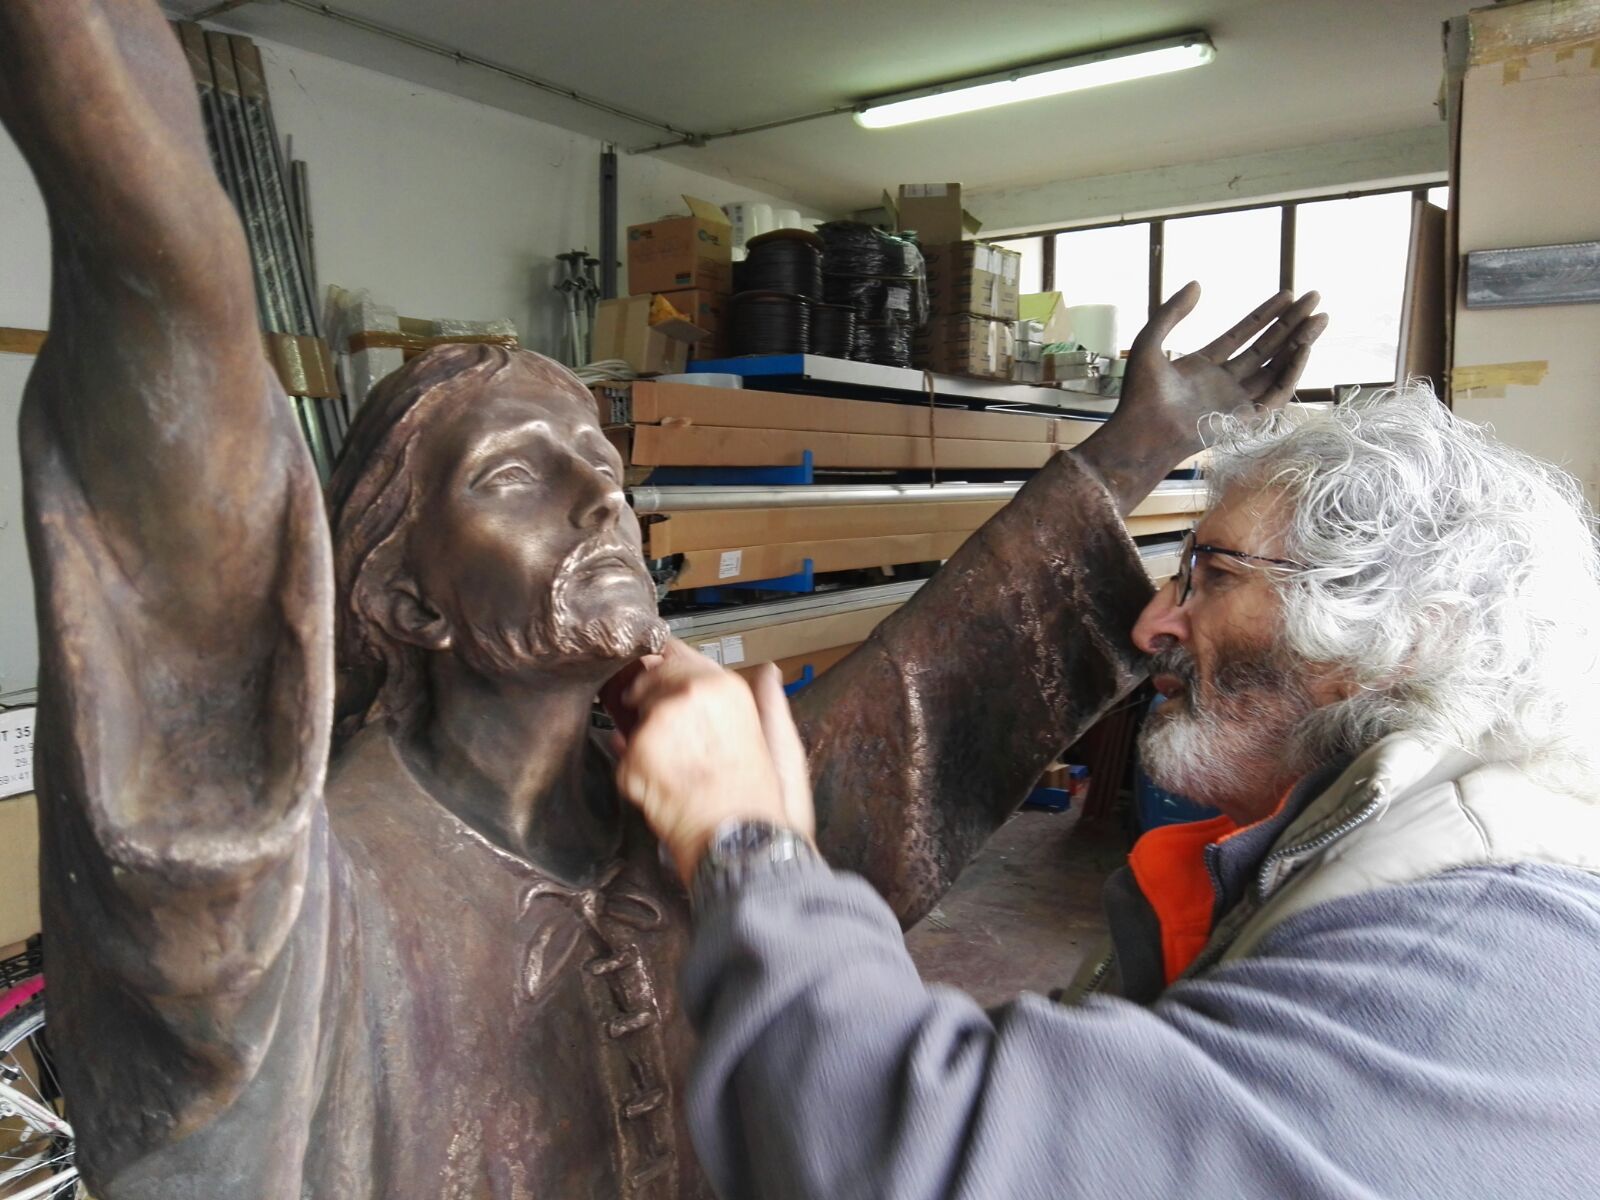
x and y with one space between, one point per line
788 639
967 345
794 668
622 329
19 868
934 212
674 253
708 311
973 278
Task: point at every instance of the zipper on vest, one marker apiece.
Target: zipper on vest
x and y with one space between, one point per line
1280 863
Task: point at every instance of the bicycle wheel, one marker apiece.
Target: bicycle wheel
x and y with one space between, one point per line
36 1147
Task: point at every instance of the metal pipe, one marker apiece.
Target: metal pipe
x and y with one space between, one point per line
608 222
689 499
472 60
700 139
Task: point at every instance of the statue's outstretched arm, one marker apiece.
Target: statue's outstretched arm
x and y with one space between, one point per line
930 734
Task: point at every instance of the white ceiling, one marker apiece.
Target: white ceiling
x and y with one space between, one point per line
1288 73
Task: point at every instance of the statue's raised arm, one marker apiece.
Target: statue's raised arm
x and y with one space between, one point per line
926 738
180 563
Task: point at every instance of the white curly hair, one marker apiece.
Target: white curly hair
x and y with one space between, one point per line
1454 579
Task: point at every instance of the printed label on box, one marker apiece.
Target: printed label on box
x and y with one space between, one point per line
1009 265
712 650
923 191
733 650
16 750
731 563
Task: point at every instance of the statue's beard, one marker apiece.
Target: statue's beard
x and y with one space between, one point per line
580 622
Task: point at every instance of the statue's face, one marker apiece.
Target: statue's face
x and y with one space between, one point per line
524 544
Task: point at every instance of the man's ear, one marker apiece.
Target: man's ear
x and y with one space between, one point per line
407 617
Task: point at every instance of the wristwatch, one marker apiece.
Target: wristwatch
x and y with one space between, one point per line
739 849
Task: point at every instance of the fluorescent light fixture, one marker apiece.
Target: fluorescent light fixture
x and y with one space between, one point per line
1043 79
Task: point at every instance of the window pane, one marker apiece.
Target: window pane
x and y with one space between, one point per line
1108 266
1354 253
1233 255
1032 251
1439 196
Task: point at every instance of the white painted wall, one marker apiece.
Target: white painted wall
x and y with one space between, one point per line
441 206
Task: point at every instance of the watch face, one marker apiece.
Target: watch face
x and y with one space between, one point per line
742 839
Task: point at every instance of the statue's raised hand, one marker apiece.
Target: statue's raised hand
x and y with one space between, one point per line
1161 417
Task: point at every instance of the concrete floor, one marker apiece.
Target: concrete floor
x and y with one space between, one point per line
1026 912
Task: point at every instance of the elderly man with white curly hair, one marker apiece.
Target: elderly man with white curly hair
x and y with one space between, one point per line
1376 974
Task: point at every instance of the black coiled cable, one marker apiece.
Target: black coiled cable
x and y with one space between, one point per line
769 323
833 330
786 260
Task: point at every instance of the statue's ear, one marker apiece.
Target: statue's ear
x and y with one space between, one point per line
407 617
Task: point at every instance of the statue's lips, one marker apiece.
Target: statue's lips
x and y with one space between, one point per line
609 562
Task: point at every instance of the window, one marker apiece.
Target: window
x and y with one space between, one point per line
1352 249
1354 253
1234 255
1032 251
1108 266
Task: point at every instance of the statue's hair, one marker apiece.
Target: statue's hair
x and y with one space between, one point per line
373 502
1453 578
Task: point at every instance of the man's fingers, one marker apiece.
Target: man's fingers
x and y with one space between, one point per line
1246 329
615 689
677 665
784 745
1178 306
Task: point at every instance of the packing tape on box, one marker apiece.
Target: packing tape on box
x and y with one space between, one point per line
411 343
304 365
1499 375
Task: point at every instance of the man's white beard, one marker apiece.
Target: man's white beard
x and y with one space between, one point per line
1230 743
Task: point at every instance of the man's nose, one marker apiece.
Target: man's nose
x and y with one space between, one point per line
1162 621
599 500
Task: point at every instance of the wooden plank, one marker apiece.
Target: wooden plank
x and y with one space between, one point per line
650 402
20 341
709 529
708 568
786 639
707 446
1162 523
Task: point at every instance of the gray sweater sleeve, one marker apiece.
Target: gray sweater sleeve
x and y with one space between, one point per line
1430 1040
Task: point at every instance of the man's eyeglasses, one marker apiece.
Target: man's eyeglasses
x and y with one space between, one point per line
1190 554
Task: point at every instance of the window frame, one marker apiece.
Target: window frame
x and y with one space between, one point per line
1157 222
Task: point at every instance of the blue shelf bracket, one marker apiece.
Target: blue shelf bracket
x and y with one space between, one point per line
806 676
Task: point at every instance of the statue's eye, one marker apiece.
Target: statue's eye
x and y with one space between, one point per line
511 474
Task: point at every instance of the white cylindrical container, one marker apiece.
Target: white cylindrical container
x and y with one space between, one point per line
787 218
1094 327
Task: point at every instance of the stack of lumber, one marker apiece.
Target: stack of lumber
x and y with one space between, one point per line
732 535
665 424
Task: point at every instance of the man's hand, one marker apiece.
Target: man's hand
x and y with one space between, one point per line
1165 403
705 748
